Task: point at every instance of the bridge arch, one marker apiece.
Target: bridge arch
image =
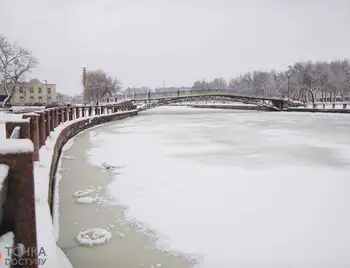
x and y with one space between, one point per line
260 101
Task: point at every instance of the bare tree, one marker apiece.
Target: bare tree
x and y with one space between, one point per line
200 85
99 84
218 83
15 64
304 79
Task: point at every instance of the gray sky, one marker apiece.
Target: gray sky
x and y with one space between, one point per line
178 41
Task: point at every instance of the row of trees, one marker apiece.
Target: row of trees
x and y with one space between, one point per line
300 81
16 63
99 84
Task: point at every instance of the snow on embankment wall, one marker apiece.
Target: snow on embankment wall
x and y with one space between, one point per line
32 163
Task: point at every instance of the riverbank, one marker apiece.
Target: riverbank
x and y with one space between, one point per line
128 247
232 107
262 108
319 110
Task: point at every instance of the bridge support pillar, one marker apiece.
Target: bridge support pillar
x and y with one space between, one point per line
279 104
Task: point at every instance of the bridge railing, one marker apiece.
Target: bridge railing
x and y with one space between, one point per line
175 93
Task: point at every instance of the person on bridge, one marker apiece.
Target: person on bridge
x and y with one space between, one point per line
178 92
149 94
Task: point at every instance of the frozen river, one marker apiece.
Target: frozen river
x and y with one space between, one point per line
231 188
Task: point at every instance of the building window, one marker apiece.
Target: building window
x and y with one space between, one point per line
49 91
21 90
31 90
21 97
40 90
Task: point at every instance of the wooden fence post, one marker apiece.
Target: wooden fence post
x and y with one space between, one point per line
19 210
34 133
42 132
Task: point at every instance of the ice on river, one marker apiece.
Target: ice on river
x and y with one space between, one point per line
236 188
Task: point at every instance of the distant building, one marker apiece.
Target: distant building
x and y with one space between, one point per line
34 92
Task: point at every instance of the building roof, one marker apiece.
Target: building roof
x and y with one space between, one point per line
34 82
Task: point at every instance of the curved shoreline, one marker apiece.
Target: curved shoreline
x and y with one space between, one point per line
262 108
128 247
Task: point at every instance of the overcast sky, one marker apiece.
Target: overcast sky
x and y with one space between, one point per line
144 42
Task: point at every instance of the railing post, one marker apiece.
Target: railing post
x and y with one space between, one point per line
42 133
47 123
56 117
19 211
52 119
70 113
66 114
77 112
61 118
34 133
63 115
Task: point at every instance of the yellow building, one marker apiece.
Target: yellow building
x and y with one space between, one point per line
34 92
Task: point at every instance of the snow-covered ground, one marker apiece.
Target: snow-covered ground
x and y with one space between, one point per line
26 109
236 189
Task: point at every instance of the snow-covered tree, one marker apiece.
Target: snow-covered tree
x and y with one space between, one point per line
15 64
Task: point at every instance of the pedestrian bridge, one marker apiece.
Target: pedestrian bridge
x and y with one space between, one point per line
155 99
